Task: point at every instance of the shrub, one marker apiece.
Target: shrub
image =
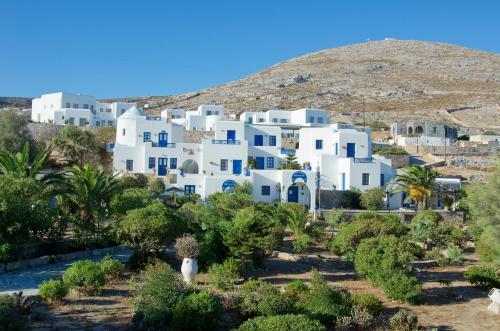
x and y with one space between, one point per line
404 320
224 276
6 301
421 230
390 150
187 247
427 215
11 320
373 199
261 298
156 295
156 187
482 276
475 231
359 319
112 268
53 290
436 255
296 289
287 322
197 311
454 254
129 200
84 276
373 304
300 242
458 237
402 286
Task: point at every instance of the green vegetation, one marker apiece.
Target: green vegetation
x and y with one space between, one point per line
14 133
258 298
373 199
224 276
369 302
418 183
77 146
53 290
85 277
404 320
390 150
112 269
290 163
282 322
197 311
483 276
11 318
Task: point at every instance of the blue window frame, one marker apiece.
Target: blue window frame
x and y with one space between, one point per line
365 179
189 189
173 163
129 165
223 164
272 140
147 136
152 162
382 179
319 144
265 190
258 140
270 162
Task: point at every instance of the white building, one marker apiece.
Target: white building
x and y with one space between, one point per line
485 139
81 110
242 152
202 119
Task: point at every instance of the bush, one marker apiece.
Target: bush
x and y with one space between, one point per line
287 322
300 242
368 301
474 231
482 276
454 254
156 187
129 200
156 295
404 320
224 276
113 269
295 289
84 276
260 298
421 230
436 255
197 311
373 199
11 320
53 290
400 285
359 319
187 247
427 215
391 150
324 303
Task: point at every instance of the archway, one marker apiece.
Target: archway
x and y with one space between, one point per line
419 129
190 167
410 130
299 193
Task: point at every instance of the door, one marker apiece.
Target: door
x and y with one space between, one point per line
236 167
231 135
258 140
293 194
162 139
162 166
259 162
351 150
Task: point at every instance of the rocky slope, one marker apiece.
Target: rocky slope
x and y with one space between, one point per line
386 80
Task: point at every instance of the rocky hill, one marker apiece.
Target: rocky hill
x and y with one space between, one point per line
382 80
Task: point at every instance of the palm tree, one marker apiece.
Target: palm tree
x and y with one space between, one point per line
418 182
19 164
88 192
298 216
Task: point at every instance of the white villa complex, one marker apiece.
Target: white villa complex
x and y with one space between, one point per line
76 109
333 157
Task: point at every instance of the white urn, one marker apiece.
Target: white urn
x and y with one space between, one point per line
189 269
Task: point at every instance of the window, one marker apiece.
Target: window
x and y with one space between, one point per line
319 144
382 179
110 123
68 105
130 165
108 110
365 179
101 109
272 140
72 121
97 123
260 120
320 120
223 165
275 120
75 105
85 106
82 122
434 130
209 112
270 162
258 140
336 148
189 189
123 132
173 163
152 162
92 107
283 120
265 190
147 136
216 112
311 119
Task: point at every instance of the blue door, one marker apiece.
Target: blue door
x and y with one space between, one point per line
259 162
162 139
237 167
351 149
293 194
231 135
258 140
162 166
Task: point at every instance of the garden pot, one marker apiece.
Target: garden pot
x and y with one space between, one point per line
189 269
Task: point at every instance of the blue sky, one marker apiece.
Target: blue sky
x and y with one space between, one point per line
113 48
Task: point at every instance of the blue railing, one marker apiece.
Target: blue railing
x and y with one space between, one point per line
153 118
363 160
166 145
287 151
226 142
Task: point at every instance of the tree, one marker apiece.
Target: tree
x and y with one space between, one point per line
373 199
77 145
88 192
20 165
482 200
290 163
418 182
297 217
156 187
14 133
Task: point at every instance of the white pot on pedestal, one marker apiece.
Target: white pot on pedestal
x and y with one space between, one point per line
189 269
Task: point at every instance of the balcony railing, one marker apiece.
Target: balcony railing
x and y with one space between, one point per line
287 151
166 145
153 118
226 142
363 160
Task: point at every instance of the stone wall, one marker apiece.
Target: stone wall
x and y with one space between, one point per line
398 161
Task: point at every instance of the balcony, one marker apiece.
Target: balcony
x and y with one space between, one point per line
363 160
226 142
165 145
287 151
153 118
